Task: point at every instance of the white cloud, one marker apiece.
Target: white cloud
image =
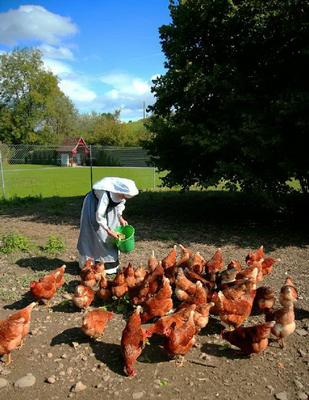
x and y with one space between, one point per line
76 91
61 52
113 94
57 67
31 22
127 93
126 85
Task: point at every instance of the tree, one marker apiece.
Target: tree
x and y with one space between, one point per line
134 133
31 103
99 128
234 102
61 119
106 129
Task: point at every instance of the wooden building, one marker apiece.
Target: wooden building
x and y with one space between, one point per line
73 152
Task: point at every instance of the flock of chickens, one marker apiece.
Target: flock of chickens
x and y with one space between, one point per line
175 297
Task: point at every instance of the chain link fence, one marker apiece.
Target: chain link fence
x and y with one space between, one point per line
69 170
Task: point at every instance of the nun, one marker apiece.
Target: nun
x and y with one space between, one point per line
101 214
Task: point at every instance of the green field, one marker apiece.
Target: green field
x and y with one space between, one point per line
25 180
46 181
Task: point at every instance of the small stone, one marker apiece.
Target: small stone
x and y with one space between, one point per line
281 396
35 351
3 383
302 353
5 372
78 387
69 371
75 345
302 396
137 395
301 332
26 381
67 296
62 373
51 379
298 384
270 388
98 386
106 378
64 356
49 355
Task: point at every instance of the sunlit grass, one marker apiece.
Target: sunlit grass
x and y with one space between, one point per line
47 181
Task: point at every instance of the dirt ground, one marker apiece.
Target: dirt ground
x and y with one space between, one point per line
57 350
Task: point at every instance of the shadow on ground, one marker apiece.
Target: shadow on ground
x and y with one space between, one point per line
107 353
69 336
213 217
23 302
47 264
219 350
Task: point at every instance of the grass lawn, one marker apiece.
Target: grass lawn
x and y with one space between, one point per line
47 181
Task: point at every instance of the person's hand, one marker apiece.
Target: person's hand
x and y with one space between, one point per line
122 221
113 234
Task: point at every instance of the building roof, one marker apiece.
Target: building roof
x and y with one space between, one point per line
71 144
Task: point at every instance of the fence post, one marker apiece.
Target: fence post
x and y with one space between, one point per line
2 175
90 155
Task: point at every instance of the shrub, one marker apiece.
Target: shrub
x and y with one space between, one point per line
54 245
14 242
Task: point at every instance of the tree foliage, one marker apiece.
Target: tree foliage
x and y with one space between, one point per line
32 107
234 102
106 129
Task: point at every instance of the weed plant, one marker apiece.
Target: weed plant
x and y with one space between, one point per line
13 242
54 245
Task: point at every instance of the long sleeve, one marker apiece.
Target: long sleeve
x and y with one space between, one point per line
120 208
102 208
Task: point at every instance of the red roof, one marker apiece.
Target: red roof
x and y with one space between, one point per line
71 145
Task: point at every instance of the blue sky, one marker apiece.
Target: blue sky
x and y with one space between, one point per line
104 52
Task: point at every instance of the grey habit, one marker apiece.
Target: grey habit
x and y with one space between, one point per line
93 241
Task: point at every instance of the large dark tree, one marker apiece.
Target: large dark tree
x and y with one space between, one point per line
234 102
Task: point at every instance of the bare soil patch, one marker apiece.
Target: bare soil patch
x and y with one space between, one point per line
56 347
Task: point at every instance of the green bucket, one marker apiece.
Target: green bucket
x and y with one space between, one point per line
126 245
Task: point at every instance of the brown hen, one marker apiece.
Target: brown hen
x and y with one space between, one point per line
250 339
160 303
83 296
26 314
180 339
132 341
44 289
215 264
11 334
95 321
285 322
